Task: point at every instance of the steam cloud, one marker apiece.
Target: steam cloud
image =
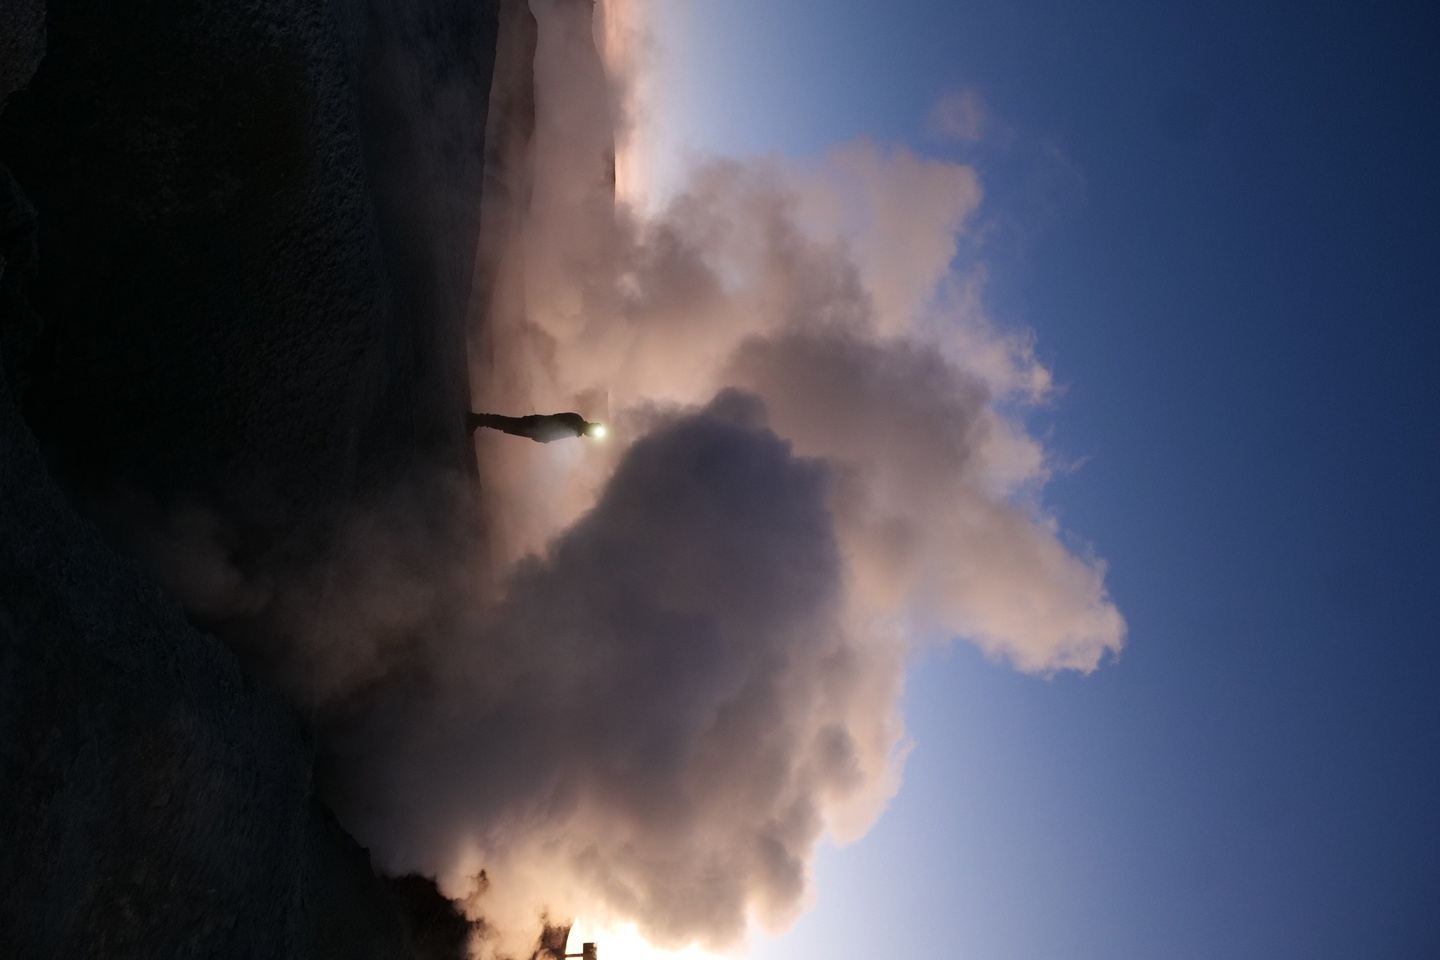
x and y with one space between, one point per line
676 661
660 711
694 665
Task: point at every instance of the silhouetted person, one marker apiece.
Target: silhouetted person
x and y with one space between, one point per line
542 428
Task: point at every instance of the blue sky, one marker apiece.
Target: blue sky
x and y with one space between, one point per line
1220 221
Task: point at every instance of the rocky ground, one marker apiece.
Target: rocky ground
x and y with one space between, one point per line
236 253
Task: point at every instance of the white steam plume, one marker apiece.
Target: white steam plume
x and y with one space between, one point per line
693 668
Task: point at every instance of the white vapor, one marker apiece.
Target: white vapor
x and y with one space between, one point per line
692 665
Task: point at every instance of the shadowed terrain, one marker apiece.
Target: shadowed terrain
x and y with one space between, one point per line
236 255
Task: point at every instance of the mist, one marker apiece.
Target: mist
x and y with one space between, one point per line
694 666
640 681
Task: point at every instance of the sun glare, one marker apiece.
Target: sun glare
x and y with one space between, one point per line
624 942
623 35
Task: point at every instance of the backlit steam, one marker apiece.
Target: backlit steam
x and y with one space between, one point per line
692 669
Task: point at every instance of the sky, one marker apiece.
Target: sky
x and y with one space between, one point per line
1219 223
